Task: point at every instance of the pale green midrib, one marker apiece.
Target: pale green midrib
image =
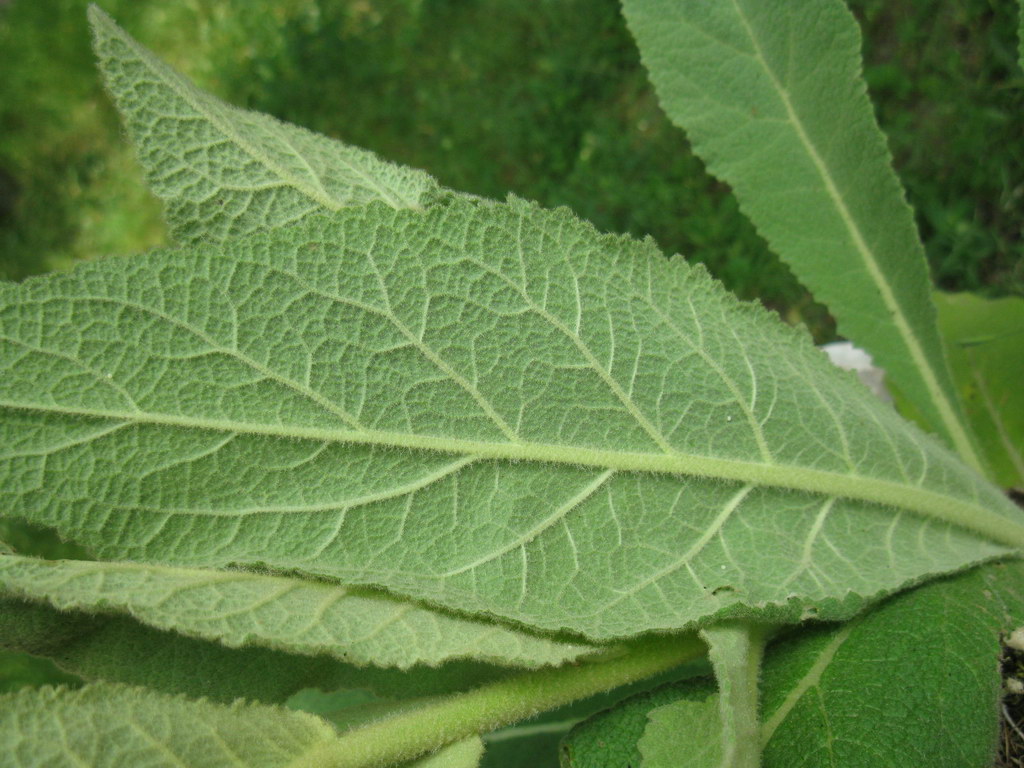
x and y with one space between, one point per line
947 412
318 194
809 680
927 503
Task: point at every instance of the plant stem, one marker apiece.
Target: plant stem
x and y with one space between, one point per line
735 650
408 734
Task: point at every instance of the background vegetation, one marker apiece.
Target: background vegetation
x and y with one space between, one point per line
546 99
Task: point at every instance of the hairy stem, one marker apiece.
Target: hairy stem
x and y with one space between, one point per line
407 735
735 650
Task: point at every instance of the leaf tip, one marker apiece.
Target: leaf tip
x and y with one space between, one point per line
98 17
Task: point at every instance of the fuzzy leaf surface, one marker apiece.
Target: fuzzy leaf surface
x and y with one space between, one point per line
109 725
224 171
684 727
493 408
614 738
826 703
772 98
239 608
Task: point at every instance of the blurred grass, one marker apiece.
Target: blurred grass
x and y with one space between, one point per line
545 99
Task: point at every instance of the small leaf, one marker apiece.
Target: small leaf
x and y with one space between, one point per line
772 98
492 408
224 171
691 728
611 739
111 725
983 339
286 613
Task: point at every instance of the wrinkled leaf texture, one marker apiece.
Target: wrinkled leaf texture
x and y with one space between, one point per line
492 408
223 171
114 725
286 613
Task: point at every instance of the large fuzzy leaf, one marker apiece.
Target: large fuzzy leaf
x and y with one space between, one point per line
772 98
224 171
490 407
237 608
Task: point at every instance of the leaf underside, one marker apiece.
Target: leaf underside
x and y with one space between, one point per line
488 407
238 608
223 171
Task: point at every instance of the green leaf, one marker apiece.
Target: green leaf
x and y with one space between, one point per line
118 649
721 731
772 99
223 171
611 739
287 613
110 725
916 680
684 727
983 340
534 743
489 407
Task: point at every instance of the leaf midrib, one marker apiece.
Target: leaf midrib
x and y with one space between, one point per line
923 501
929 376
